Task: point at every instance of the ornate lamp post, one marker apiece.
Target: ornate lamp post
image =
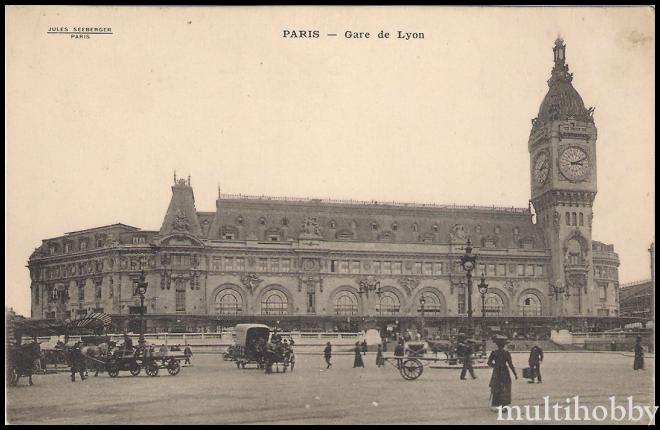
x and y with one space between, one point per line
556 290
141 288
422 302
483 289
468 262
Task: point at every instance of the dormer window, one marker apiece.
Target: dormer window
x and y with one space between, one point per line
99 243
262 221
83 244
273 238
138 240
333 224
497 229
67 247
374 226
395 227
228 236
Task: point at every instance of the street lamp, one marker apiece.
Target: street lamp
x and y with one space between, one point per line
141 288
557 289
483 289
422 302
468 262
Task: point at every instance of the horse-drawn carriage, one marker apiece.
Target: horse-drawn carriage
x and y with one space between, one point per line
255 344
141 358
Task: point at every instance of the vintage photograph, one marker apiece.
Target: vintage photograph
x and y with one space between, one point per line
292 215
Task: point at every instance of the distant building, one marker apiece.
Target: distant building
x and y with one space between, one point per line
326 264
636 299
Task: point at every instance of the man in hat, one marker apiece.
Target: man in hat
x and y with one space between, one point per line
535 359
466 350
327 354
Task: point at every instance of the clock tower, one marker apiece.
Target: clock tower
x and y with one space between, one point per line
562 149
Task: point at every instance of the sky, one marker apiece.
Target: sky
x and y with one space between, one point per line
95 127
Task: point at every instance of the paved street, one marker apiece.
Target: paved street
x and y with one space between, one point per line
216 392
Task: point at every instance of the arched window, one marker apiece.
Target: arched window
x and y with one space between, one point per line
415 227
374 226
432 303
581 219
389 304
574 219
346 304
574 252
530 305
435 228
274 303
228 302
568 218
493 305
395 226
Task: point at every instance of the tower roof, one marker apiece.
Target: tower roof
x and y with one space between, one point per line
562 100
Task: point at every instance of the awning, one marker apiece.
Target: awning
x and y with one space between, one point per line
86 325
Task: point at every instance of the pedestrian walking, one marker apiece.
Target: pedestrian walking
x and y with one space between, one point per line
500 381
467 350
399 351
77 363
364 347
327 354
187 352
358 356
535 359
380 361
638 364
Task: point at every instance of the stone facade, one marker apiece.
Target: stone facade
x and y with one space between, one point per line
312 260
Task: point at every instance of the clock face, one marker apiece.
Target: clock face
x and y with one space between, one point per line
468 265
574 164
541 168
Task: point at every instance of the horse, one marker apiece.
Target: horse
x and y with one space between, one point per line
275 354
21 361
96 356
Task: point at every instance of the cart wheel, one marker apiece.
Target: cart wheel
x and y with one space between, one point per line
173 367
135 371
411 369
113 370
151 368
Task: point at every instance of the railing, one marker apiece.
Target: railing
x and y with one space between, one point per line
511 209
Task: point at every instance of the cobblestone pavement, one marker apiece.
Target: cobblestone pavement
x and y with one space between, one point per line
215 392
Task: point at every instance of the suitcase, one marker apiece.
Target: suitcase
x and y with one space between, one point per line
528 373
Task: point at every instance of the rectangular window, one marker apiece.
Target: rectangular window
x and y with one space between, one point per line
482 269
387 267
240 264
376 267
274 264
263 264
355 267
36 294
98 292
343 267
538 271
67 247
521 270
603 293
229 263
428 268
333 266
181 301
81 292
491 270
397 267
437 268
417 268
461 300
286 265
83 245
216 263
228 236
529 270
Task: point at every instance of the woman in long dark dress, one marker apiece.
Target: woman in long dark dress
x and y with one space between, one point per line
380 361
500 382
358 356
638 364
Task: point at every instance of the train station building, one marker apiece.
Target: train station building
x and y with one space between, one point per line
315 264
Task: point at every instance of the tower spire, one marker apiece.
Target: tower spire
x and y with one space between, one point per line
174 176
560 70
